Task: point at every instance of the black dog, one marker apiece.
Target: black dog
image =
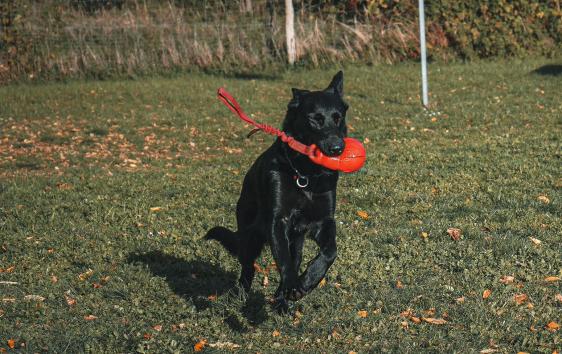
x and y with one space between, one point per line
286 196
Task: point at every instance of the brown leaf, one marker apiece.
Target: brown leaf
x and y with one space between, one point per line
424 235
407 313
11 343
507 279
552 326
486 294
362 313
558 297
543 199
399 285
155 209
147 336
276 333
85 275
551 279
535 241
157 328
54 279
520 298
488 351
69 300
460 300
200 345
454 233
429 312
436 321
90 317
212 297
415 319
362 214
322 283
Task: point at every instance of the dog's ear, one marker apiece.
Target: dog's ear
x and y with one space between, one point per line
336 86
297 97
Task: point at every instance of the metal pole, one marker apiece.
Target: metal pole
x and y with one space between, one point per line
425 100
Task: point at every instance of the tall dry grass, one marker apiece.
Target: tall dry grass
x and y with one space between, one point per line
140 39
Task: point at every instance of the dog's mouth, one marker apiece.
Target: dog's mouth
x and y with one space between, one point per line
332 147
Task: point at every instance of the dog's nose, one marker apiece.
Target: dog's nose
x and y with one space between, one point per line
336 149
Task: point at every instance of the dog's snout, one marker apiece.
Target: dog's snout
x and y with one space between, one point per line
336 148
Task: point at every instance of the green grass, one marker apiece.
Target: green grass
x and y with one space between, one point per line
83 163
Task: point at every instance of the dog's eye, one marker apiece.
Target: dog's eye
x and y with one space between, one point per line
337 118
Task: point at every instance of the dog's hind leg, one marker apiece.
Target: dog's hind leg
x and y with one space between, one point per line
251 245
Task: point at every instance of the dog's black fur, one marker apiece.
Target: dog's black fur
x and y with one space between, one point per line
273 208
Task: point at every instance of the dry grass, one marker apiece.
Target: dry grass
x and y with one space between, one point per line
142 39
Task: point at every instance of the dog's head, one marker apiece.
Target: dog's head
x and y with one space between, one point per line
318 117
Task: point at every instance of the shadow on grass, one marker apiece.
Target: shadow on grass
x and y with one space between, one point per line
550 69
197 280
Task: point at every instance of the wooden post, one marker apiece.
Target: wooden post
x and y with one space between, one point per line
290 31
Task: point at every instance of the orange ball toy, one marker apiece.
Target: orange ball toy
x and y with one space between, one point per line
351 159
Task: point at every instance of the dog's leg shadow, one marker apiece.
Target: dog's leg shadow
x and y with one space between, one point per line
195 280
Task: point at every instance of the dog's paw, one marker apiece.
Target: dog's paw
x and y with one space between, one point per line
295 294
281 305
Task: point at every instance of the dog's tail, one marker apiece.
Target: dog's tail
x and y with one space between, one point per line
229 239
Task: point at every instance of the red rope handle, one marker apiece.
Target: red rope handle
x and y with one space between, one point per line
231 103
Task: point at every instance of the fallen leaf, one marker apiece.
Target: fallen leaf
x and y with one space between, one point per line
429 312
460 300
276 333
522 352
224 345
322 283
90 317
147 336
488 351
34 298
535 241
399 285
96 285
157 328
11 343
362 313
54 279
404 324
69 300
415 319
436 321
212 297
155 209
424 235
407 313
265 281
552 326
454 233
543 199
507 279
558 297
551 279
520 298
486 294
199 345
85 275
362 214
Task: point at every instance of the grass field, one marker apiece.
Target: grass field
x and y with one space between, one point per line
106 189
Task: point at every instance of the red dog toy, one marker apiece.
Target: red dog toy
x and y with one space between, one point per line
351 159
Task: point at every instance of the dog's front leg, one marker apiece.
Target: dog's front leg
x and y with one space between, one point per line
280 249
325 237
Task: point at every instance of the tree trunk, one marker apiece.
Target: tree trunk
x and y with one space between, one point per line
290 31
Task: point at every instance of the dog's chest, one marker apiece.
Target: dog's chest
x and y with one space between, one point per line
309 208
